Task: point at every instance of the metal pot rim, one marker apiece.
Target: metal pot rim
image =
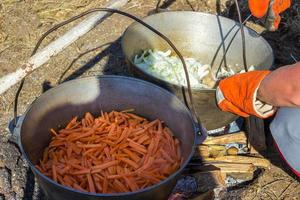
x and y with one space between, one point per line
18 129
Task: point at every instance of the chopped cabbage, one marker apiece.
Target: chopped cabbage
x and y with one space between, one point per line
169 68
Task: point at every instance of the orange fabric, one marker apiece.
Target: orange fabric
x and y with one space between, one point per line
281 5
259 8
278 7
239 92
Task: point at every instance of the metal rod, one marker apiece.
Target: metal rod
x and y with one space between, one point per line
243 35
227 48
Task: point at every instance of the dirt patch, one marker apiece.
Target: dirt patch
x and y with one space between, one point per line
22 22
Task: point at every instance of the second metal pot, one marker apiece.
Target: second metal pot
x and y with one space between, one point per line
204 37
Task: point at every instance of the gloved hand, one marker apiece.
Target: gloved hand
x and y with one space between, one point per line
270 9
238 94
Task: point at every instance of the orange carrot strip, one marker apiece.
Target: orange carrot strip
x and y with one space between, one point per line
166 155
54 173
105 185
90 132
53 132
143 139
90 145
89 117
78 187
120 186
131 155
68 180
76 166
131 183
98 186
123 136
45 154
107 152
82 171
129 162
137 146
127 110
71 123
91 183
99 168
60 180
135 117
151 124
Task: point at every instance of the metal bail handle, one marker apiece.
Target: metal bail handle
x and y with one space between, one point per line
193 111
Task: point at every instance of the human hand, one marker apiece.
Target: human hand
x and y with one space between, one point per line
238 94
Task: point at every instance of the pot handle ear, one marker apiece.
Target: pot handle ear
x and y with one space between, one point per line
201 134
16 129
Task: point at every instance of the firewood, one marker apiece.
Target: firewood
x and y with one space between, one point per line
239 137
258 162
226 167
215 151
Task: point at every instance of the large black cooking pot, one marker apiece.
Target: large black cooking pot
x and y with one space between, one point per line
58 105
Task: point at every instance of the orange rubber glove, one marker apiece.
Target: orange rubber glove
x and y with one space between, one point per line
270 9
238 94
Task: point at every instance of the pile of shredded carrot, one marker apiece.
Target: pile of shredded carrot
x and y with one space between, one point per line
116 152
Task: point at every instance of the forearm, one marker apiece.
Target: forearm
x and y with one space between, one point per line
281 87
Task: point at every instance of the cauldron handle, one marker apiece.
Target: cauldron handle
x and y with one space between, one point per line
201 134
15 129
196 118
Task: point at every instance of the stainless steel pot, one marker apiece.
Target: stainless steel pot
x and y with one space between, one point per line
204 37
58 105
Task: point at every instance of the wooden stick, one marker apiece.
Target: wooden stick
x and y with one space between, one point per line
258 162
235 167
226 167
210 150
57 46
239 137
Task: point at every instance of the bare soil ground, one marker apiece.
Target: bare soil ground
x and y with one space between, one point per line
23 21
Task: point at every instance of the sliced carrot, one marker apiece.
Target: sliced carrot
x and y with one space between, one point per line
123 136
132 155
71 123
116 152
137 146
135 116
98 168
78 187
91 183
120 186
82 171
130 162
54 173
143 139
89 117
53 132
105 185
98 187
60 180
